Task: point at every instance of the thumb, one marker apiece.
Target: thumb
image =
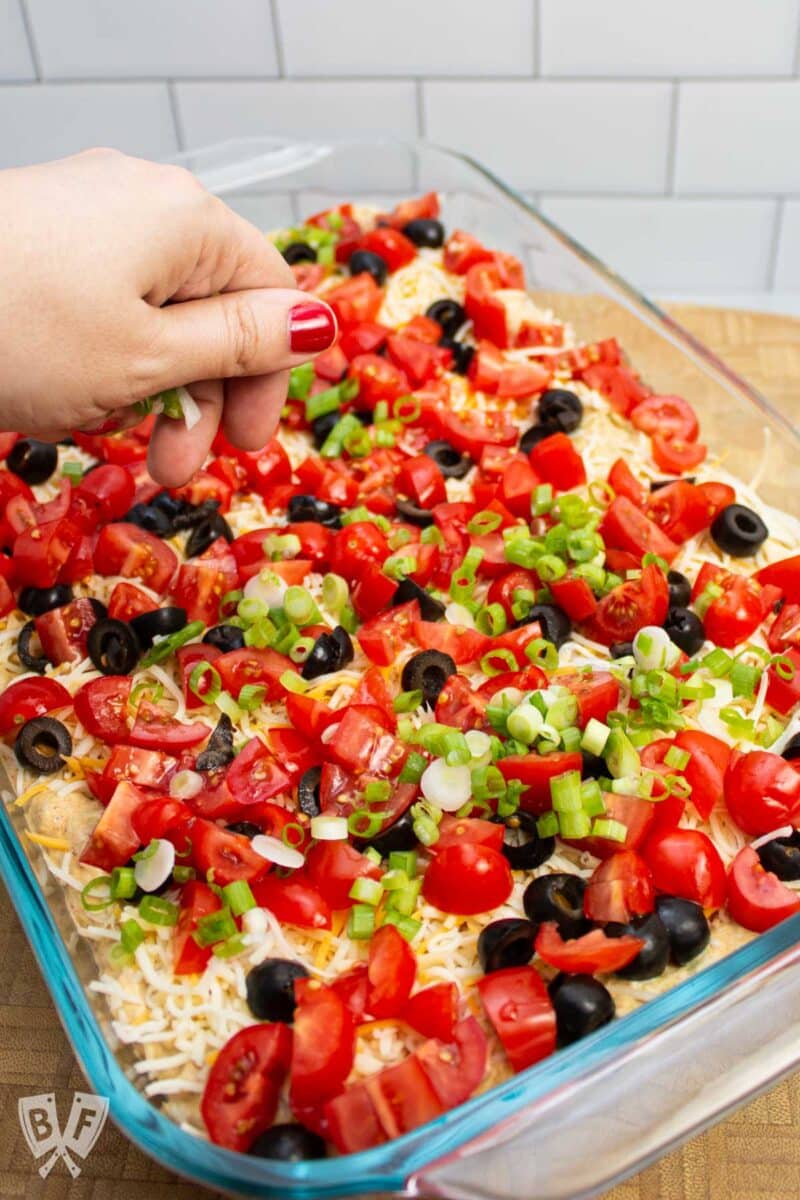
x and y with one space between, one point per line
255 332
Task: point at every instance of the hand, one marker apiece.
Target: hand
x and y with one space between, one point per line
92 248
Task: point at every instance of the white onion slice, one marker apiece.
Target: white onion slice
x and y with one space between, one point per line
446 787
511 695
186 784
255 921
191 410
156 868
459 614
328 828
268 587
480 746
660 654
276 851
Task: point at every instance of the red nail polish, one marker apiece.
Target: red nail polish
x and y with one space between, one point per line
312 327
111 425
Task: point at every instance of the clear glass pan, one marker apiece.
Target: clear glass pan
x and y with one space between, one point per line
576 1123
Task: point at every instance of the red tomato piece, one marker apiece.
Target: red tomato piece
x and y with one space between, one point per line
421 480
473 831
737 613
362 744
620 386
145 768
624 483
357 299
331 365
394 248
784 631
351 988
669 416
762 792
718 496
517 484
201 487
110 489
255 666
675 455
574 595
459 706
784 694
587 954
756 898
467 879
629 607
128 601
464 645
556 461
378 379
366 338
686 863
213 849
522 379
254 775
114 839
188 658
462 251
333 868
625 527
705 770
101 706
785 575
521 1012
536 771
680 509
203 582
243 1086
294 900
637 815
597 694
197 900
420 361
27 698
470 431
42 552
620 888
127 550
391 971
509 589
433 1012
63 631
324 1044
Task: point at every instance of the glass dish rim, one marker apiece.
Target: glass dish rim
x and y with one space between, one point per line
390 1166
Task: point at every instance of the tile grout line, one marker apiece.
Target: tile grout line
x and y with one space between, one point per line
34 49
177 120
537 39
277 35
419 98
775 245
473 80
672 138
797 48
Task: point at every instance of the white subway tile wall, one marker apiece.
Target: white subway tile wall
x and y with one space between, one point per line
665 136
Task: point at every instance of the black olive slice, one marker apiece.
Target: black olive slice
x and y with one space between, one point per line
781 855
447 313
309 508
556 625
373 264
158 623
32 460
247 829
270 989
559 898
425 231
147 516
792 748
451 462
35 601
657 484
412 513
506 943
42 745
523 848
113 647
219 750
621 649
171 506
397 836
308 791
685 629
27 655
189 515
680 590
297 252
428 672
582 1004
560 407
225 637
288 1143
738 530
687 927
203 535
330 652
653 957
461 352
430 608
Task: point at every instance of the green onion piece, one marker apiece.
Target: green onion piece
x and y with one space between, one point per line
717 662
707 598
348 619
542 654
565 792
595 736
364 824
377 791
497 661
361 922
611 581
573 511
677 758
407 926
563 712
678 786
547 825
299 606
413 768
522 601
574 824
583 545
208 694
215 927
657 561
158 911
739 725
367 891
300 649
295 683
571 738
373 855
335 593
404 860
550 567
163 647
398 566
744 679
251 609
594 575
773 728
226 703
72 470
251 697
426 830
592 798
407 409
281 546
358 442
601 493
123 883
523 552
323 403
491 619
696 691
542 499
508 803
239 897
555 541
395 880
431 536
407 702
300 381
613 831
100 882
784 666
183 874
231 946
131 935
484 522
487 783
404 900
525 723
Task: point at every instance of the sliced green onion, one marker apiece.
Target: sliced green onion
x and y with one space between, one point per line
542 654
413 768
251 697
215 927
226 703
367 891
522 601
208 694
399 566
696 691
563 712
158 911
72 470
279 547
123 883
707 598
677 758
426 830
542 499
301 649
299 606
404 860
404 925
613 831
239 897
502 656
407 409
571 738
523 552
595 736
328 828
364 824
592 798
131 935
163 647
373 855
335 593
491 619
183 874
717 662
323 403
524 723
230 947
361 922
547 825
484 522
407 702
377 791
100 882
784 666
565 792
574 824
300 381
740 727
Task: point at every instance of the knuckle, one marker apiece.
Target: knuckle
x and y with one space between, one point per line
147 364
243 335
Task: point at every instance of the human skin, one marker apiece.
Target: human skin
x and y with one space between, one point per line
97 250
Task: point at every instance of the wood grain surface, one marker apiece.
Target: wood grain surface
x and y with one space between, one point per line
754 1155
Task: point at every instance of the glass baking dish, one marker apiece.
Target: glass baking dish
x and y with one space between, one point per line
592 1114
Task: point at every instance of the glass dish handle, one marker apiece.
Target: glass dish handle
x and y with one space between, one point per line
668 1086
243 162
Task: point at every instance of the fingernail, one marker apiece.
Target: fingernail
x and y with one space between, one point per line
312 327
111 425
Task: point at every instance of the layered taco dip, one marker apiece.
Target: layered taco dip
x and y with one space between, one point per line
454 724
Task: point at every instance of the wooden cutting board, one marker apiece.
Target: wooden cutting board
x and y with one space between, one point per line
754 1154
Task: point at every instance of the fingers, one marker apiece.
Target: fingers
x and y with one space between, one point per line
176 452
253 408
244 333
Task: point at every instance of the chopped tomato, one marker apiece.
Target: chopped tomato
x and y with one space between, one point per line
470 431
421 479
732 617
391 970
467 879
620 386
155 818
197 900
620 888
203 581
145 768
587 954
128 601
573 594
357 299
597 694
464 645
556 461
625 527
228 856
686 863
473 831
114 839
536 771
101 706
675 455
756 898
514 586
462 251
188 658
394 247
377 379
668 416
517 484
414 210
762 792
362 744
521 1012
333 868
522 379
331 364
459 706
420 361
63 631
324 1044
311 717
254 775
201 487
680 509
27 698
629 607
109 489
42 552
624 483
127 550
784 694
718 496
433 1012
637 815
255 666
153 729
351 988
243 1086
705 770
294 900
785 575
785 629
